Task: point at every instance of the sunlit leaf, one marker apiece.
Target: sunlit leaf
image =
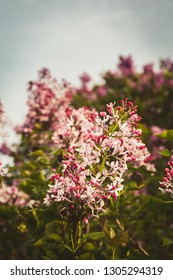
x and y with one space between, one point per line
166 134
167 241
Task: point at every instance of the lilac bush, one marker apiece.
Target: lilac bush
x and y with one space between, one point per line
83 184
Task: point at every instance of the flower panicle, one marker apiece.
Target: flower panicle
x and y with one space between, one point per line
167 182
98 147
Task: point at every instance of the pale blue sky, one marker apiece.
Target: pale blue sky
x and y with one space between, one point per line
74 36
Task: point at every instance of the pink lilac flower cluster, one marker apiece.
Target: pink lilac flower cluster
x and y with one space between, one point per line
126 65
167 183
125 74
46 99
98 147
167 64
1 169
146 80
11 195
74 127
4 149
157 144
88 91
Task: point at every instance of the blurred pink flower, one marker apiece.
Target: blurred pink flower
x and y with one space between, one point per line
85 78
167 183
126 65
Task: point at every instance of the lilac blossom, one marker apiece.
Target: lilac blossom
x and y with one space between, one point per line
167 182
167 64
157 144
1 169
4 149
126 65
46 99
11 195
99 148
148 69
85 78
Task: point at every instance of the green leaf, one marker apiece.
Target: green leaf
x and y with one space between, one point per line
158 200
46 238
111 233
166 134
86 256
37 153
165 153
166 241
145 130
95 236
89 247
120 224
22 227
124 238
46 258
141 169
34 212
38 125
50 255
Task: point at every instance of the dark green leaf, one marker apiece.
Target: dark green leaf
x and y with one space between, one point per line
95 235
46 238
86 256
